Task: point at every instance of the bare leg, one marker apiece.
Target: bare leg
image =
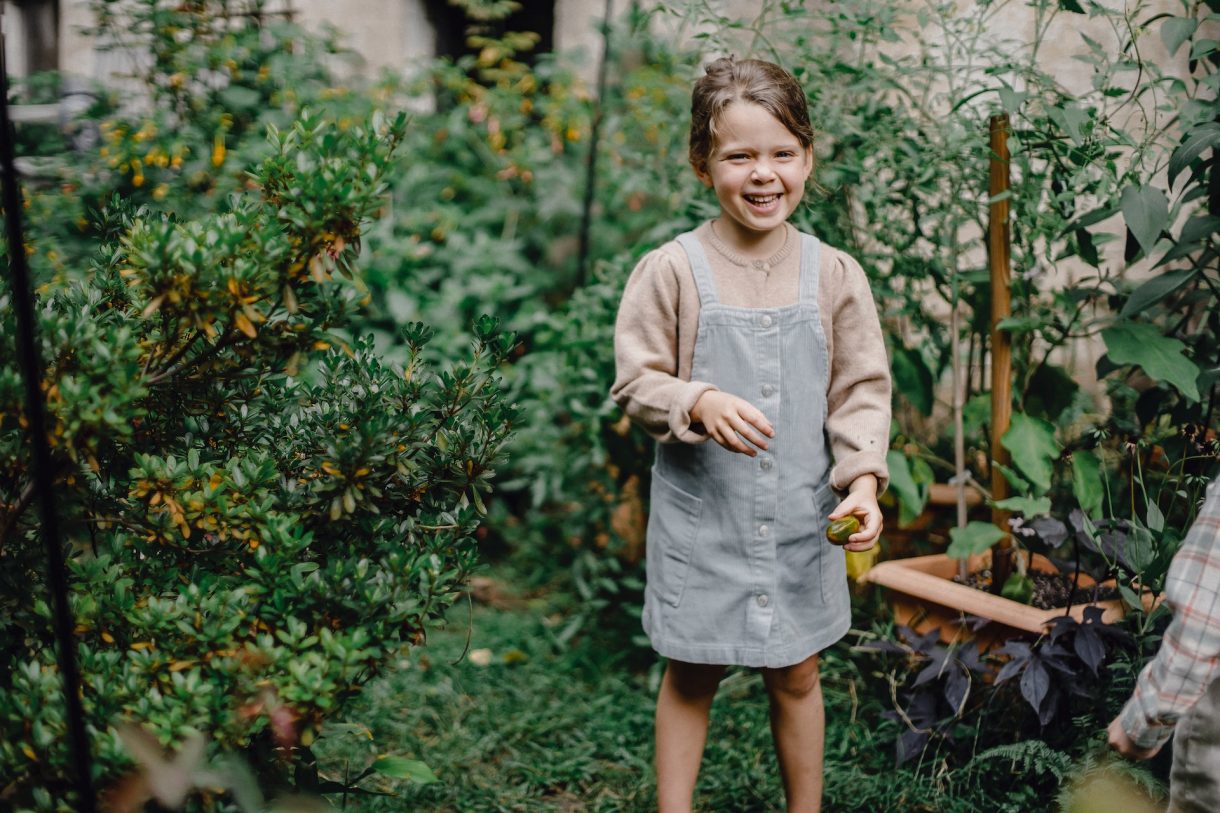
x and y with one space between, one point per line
798 724
687 690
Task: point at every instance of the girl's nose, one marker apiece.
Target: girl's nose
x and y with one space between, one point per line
762 172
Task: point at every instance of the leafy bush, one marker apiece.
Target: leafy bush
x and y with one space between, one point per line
259 511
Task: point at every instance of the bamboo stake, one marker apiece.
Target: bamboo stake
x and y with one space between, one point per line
998 243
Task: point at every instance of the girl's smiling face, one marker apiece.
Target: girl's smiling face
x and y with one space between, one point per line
758 169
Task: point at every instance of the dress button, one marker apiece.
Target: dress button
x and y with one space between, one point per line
766 463
763 530
765 321
768 390
763 600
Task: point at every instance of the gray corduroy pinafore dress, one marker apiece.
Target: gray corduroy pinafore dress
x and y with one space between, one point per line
739 569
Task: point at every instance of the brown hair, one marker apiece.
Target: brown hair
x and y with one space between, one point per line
750 80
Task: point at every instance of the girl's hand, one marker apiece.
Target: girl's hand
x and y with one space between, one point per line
728 419
861 500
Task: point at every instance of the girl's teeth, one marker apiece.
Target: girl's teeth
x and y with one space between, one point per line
761 200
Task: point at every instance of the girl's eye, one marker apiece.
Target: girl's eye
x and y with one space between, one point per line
738 156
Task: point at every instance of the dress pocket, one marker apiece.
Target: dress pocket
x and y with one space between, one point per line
834 562
673 522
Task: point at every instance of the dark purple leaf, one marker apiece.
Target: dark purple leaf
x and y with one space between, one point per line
1035 683
976 622
910 745
1050 704
957 688
1014 649
1010 670
1062 625
933 670
1089 647
1092 615
1050 530
970 658
921 643
885 646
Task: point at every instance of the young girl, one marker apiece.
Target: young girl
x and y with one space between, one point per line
760 338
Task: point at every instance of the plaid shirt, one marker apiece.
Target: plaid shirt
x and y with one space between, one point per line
1189 658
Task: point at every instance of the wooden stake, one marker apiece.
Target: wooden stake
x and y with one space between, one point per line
998 243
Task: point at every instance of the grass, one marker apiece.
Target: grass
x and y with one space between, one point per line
523 722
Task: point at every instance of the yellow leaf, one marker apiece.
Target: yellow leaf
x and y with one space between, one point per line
141 645
178 666
107 637
218 148
244 325
29 752
152 306
253 314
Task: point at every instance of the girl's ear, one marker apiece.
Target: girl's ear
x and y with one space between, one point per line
808 161
701 173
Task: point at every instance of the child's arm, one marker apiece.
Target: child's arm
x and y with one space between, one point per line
647 384
858 392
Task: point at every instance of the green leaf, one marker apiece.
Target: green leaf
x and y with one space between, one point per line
1018 587
1031 441
913 378
1018 324
1071 5
1154 519
1011 100
1160 356
1050 391
1015 480
1086 482
973 539
1028 506
403 768
911 497
1174 32
1146 211
1196 141
1156 289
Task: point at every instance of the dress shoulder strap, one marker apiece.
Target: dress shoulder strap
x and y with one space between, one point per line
700 267
811 259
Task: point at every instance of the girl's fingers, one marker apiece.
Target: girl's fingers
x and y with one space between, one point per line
746 430
751 414
727 437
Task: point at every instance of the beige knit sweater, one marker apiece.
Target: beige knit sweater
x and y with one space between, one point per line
654 343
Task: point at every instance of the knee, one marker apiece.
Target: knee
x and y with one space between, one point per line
793 683
693 681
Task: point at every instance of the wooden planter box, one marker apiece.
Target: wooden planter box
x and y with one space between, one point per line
924 596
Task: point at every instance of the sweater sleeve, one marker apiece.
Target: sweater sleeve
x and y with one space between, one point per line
646 383
858 396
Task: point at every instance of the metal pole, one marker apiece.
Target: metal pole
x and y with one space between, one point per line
595 127
998 245
31 366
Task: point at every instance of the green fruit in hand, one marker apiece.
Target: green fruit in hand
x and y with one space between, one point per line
840 529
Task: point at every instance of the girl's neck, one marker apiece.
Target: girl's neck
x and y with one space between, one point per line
744 246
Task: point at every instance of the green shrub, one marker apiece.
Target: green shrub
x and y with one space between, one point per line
259 510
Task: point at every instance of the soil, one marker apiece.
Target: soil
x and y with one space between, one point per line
1051 590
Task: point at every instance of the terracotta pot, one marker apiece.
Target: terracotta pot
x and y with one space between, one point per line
924 596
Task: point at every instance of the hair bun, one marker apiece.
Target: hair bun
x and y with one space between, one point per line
724 64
